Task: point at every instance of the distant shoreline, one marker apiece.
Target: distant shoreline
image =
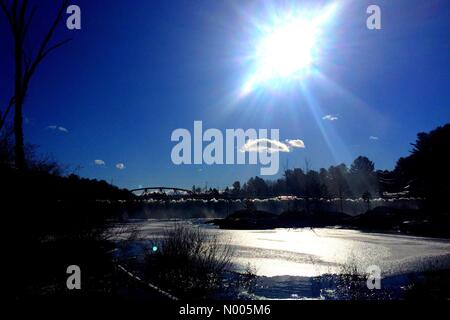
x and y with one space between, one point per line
379 220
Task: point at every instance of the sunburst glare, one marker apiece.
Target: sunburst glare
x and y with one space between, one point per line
286 47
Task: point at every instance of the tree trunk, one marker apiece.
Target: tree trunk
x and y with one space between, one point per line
19 94
19 153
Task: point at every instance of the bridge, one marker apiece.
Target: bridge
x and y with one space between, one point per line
169 193
162 193
148 190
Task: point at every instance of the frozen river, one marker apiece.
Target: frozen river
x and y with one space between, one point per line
312 252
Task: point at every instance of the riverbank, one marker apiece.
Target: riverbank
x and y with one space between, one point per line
380 219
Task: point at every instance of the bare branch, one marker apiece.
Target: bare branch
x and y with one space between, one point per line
26 60
41 57
14 14
11 14
52 28
14 6
7 13
20 24
28 22
7 110
43 50
23 10
55 46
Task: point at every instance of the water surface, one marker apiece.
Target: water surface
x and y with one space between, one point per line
313 252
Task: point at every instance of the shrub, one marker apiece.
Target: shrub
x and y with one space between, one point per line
189 262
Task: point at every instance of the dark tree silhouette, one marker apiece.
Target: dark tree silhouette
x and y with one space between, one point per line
424 172
257 187
363 178
20 17
367 197
337 181
339 185
295 181
236 187
362 165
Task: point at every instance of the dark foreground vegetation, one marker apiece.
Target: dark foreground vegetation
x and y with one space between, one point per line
50 221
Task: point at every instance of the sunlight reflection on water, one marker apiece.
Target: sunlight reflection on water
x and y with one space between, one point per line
311 252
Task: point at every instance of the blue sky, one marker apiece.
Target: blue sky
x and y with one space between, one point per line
138 70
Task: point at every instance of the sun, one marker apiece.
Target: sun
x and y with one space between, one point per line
286 48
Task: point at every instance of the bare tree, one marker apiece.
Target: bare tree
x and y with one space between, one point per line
20 17
4 115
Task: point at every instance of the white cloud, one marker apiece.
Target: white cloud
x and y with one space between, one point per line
330 117
296 143
264 145
120 166
271 146
58 128
99 162
373 138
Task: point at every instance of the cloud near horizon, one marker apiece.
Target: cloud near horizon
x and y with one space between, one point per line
120 166
330 117
373 138
99 162
271 146
58 128
296 143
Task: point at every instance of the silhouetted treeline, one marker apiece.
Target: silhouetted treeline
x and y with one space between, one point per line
423 174
41 185
44 178
335 182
